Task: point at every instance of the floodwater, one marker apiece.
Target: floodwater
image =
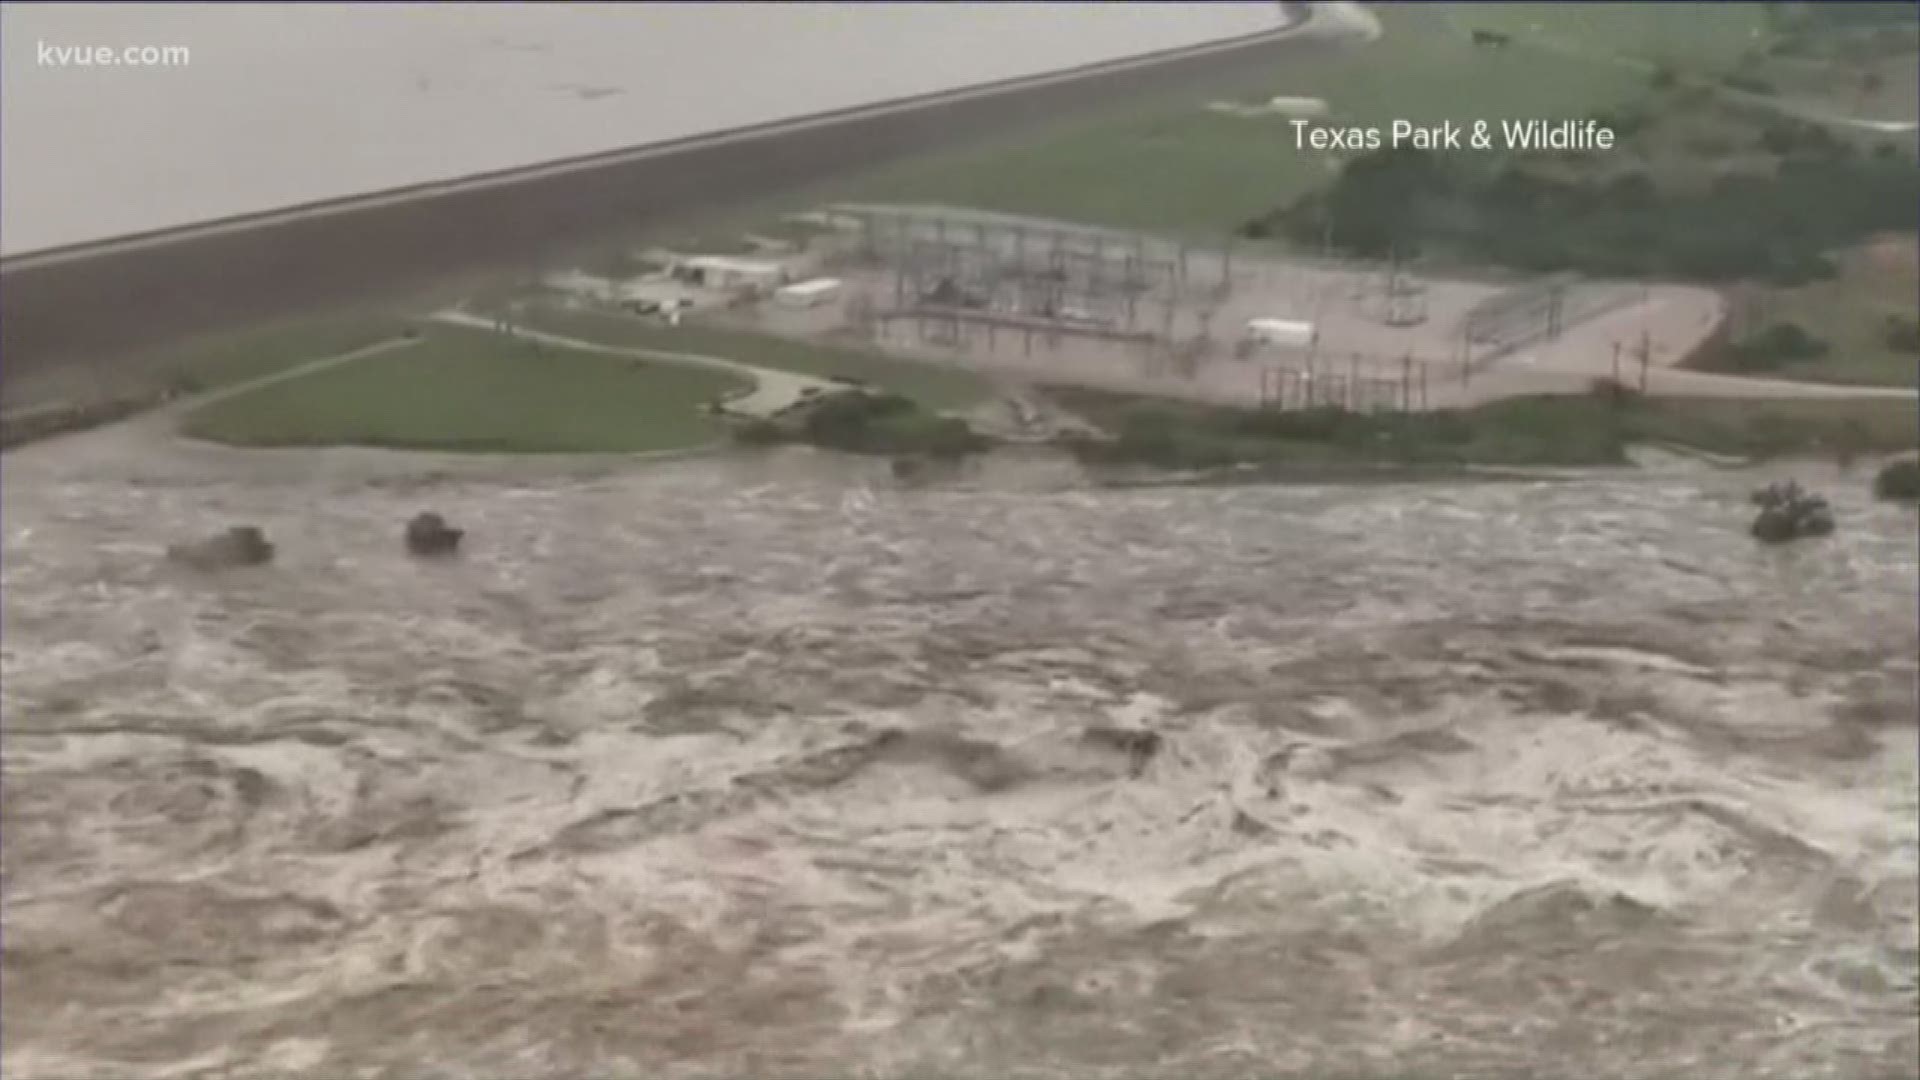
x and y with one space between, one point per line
767 767
290 103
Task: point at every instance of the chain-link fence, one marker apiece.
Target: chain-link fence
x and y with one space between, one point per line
1536 312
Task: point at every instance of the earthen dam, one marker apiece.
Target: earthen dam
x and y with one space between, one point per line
130 293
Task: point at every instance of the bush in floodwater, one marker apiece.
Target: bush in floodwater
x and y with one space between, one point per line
1899 481
1789 512
859 422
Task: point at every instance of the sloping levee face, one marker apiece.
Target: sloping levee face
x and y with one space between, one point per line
136 297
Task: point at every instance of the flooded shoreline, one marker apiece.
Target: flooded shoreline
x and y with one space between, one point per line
767 766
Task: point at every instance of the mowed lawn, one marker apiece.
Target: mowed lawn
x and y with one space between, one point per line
475 391
1182 169
209 361
255 352
1883 88
931 385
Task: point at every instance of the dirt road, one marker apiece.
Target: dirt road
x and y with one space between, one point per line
1672 323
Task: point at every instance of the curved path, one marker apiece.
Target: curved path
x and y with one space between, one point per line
774 391
179 408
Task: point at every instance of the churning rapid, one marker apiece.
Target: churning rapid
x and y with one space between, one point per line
769 767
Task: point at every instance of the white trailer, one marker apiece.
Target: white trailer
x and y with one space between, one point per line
1286 333
807 294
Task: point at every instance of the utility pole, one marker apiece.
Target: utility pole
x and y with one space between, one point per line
1166 332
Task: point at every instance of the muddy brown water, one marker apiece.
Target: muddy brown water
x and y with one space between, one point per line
734 767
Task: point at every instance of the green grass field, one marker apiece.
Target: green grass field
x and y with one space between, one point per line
1842 67
1556 432
227 359
1850 313
469 390
930 385
1181 169
207 362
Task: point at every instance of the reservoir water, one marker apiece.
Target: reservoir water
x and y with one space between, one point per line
277 105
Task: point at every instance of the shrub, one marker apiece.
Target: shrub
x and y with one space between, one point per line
948 438
760 433
1899 481
867 423
1903 334
847 421
1773 223
1779 344
1748 83
1614 392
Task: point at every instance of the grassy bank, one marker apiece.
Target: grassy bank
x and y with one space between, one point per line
1843 60
473 391
1179 168
202 363
866 423
929 385
48 421
1766 198
78 396
1862 327
1575 431
229 359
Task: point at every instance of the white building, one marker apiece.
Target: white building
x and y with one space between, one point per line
727 274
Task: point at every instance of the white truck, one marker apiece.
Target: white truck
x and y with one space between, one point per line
806 294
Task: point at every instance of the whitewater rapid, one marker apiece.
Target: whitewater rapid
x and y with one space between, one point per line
767 766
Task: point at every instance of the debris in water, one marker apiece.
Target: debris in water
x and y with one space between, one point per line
239 546
1140 746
